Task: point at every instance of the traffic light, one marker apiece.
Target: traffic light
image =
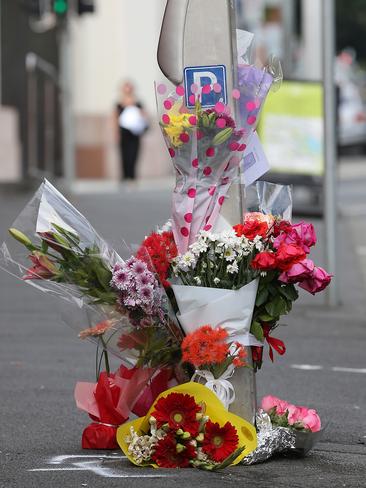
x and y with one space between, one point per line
60 7
85 6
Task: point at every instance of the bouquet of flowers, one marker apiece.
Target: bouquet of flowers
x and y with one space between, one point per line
187 426
206 146
214 360
244 279
284 414
122 301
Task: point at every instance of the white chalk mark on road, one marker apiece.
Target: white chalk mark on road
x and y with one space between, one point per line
306 367
350 370
94 464
63 458
317 367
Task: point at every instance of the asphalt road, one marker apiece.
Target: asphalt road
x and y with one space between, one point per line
41 360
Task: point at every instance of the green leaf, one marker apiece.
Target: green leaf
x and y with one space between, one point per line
266 317
262 297
277 307
289 292
257 330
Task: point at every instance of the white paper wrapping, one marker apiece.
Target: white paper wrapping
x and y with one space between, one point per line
230 309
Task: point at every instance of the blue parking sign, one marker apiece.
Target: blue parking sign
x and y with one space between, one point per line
198 77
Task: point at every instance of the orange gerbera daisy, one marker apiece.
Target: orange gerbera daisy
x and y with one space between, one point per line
220 442
179 411
96 331
205 346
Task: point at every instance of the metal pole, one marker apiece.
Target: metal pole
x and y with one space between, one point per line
330 147
67 120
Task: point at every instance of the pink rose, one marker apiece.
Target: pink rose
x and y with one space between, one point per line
312 421
299 272
302 234
317 282
307 235
270 402
304 417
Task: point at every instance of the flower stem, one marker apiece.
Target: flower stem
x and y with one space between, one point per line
106 358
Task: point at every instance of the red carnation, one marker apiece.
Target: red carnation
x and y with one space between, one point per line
289 254
264 261
282 226
179 412
166 454
162 250
251 229
220 442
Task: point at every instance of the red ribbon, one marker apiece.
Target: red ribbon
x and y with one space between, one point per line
273 343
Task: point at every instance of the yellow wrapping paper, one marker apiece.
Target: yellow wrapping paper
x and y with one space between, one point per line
214 410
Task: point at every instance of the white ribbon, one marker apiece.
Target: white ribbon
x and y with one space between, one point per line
222 387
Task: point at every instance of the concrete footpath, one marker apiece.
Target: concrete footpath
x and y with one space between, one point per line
41 360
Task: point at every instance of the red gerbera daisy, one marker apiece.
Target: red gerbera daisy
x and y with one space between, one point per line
179 412
220 442
167 455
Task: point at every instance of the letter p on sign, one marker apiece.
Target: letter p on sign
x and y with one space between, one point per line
206 82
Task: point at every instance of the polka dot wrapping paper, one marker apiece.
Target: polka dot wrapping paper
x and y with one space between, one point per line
206 146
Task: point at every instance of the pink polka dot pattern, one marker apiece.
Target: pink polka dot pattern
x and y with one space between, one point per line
206 89
171 152
195 163
199 135
211 190
225 181
251 105
227 110
184 137
219 107
188 218
192 120
252 119
221 123
207 227
192 99
207 218
166 119
192 192
179 90
242 147
221 200
233 146
184 231
207 171
168 104
210 152
236 94
161 89
217 88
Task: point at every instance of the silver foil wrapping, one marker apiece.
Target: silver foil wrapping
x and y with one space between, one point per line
271 440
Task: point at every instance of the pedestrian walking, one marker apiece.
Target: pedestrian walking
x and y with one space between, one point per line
132 123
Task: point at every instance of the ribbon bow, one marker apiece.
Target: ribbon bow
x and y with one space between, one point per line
222 387
273 343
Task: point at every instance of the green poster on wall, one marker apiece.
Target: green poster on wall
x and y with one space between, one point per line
292 130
